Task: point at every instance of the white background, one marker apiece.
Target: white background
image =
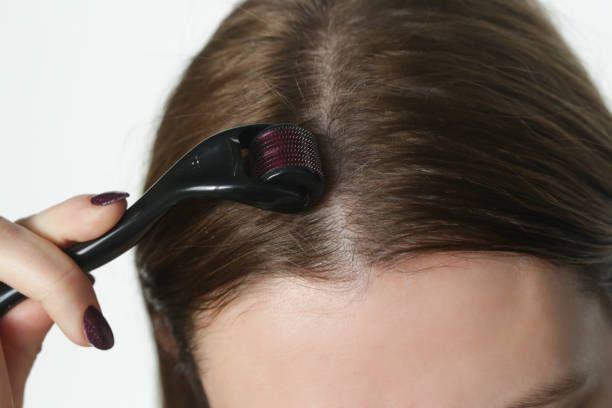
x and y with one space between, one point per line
82 86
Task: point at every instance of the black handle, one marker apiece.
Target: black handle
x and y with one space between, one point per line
212 169
92 254
143 214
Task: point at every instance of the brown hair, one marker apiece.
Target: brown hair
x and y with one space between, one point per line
443 126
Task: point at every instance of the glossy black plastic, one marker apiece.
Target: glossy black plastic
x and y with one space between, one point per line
215 168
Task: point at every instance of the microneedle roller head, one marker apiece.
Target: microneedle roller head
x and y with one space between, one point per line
289 155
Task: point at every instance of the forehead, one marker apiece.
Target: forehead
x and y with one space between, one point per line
437 329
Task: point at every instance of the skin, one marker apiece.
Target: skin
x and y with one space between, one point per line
444 330
32 262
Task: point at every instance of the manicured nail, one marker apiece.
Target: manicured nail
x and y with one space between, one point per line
97 330
109 197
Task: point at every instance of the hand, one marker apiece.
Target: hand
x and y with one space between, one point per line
32 262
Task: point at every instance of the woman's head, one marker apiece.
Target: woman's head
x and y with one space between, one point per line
464 242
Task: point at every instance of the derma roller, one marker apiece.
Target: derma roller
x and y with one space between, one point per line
280 171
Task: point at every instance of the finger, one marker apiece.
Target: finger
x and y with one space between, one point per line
22 332
77 219
24 329
6 399
41 271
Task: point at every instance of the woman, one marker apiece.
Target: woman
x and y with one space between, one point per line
462 254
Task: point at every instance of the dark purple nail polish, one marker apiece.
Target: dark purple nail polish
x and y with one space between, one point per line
91 278
109 197
97 330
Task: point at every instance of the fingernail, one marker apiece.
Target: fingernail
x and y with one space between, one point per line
97 330
109 197
91 278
